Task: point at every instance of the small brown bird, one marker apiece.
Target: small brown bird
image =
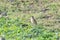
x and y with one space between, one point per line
33 20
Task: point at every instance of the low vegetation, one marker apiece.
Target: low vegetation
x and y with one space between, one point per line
17 25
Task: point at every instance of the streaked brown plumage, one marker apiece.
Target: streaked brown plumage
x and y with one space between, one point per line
33 20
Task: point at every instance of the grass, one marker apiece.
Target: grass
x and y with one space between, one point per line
13 29
18 26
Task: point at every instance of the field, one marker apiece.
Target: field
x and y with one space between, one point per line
17 25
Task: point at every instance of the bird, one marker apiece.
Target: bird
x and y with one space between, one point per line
33 20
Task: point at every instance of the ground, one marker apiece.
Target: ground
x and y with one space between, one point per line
17 25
